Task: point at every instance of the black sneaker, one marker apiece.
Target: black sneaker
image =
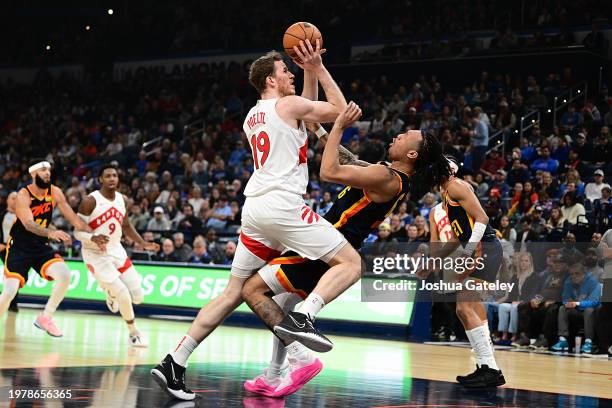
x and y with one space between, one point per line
171 378
462 378
483 377
522 342
298 326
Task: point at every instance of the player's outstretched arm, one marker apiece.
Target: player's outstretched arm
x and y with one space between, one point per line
345 156
130 232
375 178
66 210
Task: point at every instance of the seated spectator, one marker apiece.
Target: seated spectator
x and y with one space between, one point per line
214 248
591 265
196 199
581 295
572 211
526 285
189 222
182 250
230 251
167 252
492 164
499 182
554 224
549 185
428 202
137 218
545 162
221 211
538 318
572 184
518 173
526 235
422 228
326 204
569 250
199 254
602 150
602 209
494 207
159 222
385 243
593 189
571 118
405 217
538 224
508 233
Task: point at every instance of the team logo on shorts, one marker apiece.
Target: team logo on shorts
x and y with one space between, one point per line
309 216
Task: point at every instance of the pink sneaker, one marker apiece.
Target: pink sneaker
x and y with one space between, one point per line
258 385
46 323
296 379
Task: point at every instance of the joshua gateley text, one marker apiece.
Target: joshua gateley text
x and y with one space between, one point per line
410 285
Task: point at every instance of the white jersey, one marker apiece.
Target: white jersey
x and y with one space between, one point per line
445 232
107 219
279 151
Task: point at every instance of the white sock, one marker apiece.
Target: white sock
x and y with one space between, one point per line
488 331
312 305
299 355
184 349
482 347
276 362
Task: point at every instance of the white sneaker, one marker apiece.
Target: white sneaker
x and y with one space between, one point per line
111 302
138 340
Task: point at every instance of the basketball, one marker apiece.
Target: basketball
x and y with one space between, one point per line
300 31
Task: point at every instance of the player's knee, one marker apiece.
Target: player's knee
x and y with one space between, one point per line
137 296
123 294
59 272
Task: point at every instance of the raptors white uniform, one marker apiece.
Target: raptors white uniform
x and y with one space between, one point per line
274 216
107 219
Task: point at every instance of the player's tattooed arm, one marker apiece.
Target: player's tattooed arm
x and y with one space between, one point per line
66 210
345 156
24 213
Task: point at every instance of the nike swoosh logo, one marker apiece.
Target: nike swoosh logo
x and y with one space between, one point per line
173 374
300 326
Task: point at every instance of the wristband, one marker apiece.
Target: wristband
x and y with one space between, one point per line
320 132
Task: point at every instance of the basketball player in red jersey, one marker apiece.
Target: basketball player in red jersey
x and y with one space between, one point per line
272 216
28 245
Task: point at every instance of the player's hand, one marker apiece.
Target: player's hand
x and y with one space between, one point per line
313 126
100 241
571 305
309 57
151 246
59 235
351 113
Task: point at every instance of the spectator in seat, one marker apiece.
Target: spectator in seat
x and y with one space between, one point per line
220 213
572 211
540 316
507 310
518 172
326 204
214 248
583 148
189 223
182 250
230 251
199 254
572 184
602 209
571 118
480 141
137 218
593 189
167 252
544 162
492 164
602 149
499 182
581 295
159 222
591 265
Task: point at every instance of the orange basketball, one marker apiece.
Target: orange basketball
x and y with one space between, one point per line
300 31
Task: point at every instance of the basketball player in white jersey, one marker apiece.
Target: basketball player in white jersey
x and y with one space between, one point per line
275 217
105 212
